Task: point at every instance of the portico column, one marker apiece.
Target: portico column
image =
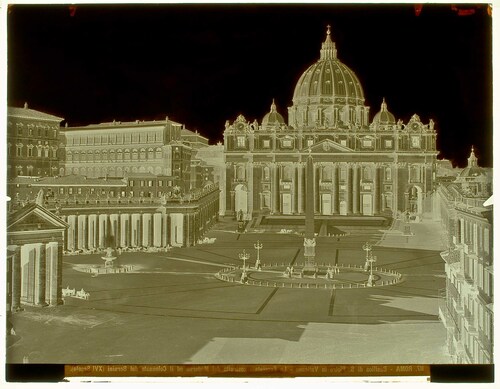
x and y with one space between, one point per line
124 226
58 273
82 231
103 220
355 189
51 273
16 279
157 230
146 232
165 230
40 277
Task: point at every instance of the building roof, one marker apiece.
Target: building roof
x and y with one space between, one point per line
78 180
28 113
120 124
34 214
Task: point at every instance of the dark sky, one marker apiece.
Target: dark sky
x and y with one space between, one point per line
203 65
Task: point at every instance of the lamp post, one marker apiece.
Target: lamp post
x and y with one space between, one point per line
244 256
368 248
373 258
258 246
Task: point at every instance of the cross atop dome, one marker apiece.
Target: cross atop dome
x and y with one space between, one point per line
328 50
273 106
383 107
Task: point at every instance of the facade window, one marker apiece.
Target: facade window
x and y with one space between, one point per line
69 156
343 173
29 170
240 141
266 173
61 191
327 173
160 183
83 156
388 143
70 190
46 152
76 157
135 154
367 143
367 174
112 155
135 138
19 150
92 190
79 190
415 141
158 152
131 183
19 129
310 142
240 173
415 174
266 143
30 151
343 142
150 183
97 156
123 193
39 150
287 173
388 174
126 155
142 154
111 193
286 143
142 183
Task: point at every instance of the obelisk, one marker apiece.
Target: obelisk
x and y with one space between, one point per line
309 239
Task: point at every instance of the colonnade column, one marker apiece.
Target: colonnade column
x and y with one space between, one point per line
157 230
52 286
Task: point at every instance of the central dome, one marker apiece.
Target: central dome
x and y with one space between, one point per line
324 86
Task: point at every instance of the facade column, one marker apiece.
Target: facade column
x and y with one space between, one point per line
16 279
165 240
124 230
113 230
355 189
300 188
376 190
103 230
91 231
335 189
146 230
348 189
249 167
71 232
40 269
82 231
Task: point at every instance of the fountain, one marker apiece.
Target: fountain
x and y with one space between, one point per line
109 258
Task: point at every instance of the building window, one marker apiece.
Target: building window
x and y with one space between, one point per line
70 191
343 173
158 152
142 155
46 152
61 191
29 170
79 190
150 183
266 143
241 140
111 193
388 174
367 174
39 150
135 154
131 183
343 142
367 143
415 174
286 143
19 150
240 173
310 142
160 183
19 129
266 173
30 150
388 143
142 183
415 141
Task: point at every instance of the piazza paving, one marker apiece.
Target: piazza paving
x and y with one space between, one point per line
172 308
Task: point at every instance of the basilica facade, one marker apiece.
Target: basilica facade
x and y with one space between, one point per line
361 167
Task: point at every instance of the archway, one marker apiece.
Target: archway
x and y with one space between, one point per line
240 199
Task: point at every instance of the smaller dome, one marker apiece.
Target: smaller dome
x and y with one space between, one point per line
472 170
384 117
273 118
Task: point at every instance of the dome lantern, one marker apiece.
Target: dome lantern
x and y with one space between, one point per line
328 50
